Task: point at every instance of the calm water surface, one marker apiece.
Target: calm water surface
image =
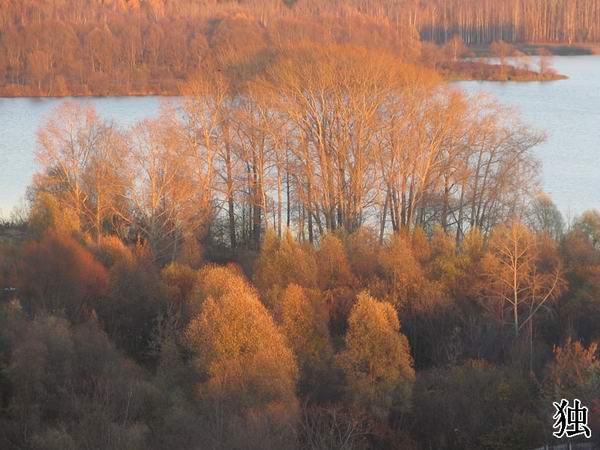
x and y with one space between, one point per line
19 120
568 111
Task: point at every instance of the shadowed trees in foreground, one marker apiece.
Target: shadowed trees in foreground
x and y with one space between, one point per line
400 345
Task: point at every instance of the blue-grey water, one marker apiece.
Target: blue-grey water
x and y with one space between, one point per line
20 119
568 111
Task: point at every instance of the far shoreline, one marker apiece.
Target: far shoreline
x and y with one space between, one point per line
531 49
462 70
476 68
465 70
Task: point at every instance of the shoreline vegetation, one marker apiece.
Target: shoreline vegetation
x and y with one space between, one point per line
501 61
470 67
466 70
132 48
519 68
463 70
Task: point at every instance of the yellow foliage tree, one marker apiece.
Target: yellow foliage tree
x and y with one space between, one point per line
304 323
332 261
179 280
377 360
282 262
214 281
249 369
47 214
401 267
363 250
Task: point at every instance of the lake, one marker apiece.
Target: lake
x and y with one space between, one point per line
568 111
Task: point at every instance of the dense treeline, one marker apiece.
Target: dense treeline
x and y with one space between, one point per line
120 47
318 247
123 48
485 21
314 139
350 344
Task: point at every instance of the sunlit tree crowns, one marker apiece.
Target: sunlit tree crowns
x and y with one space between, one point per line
332 260
304 323
377 360
240 351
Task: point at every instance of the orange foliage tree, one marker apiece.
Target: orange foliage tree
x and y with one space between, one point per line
59 274
377 360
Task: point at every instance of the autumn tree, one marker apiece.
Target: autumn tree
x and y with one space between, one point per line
248 367
402 270
105 181
423 156
377 360
180 281
303 320
59 274
212 281
578 307
67 143
589 224
520 280
363 249
163 187
472 251
47 214
282 262
321 91
455 48
574 372
207 109
112 250
332 263
544 217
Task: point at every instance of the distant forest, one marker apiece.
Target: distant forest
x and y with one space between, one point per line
125 47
